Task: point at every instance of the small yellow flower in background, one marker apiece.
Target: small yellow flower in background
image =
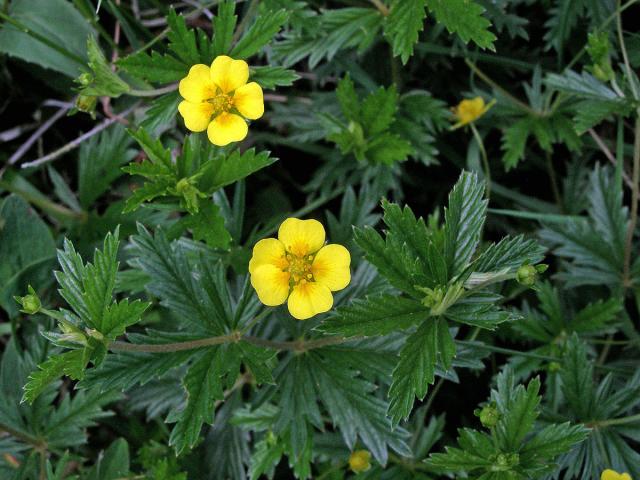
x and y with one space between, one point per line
609 474
298 266
469 110
359 461
217 98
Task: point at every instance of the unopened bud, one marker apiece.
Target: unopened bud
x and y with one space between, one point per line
86 103
488 415
30 303
528 274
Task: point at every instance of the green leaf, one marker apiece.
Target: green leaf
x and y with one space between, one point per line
113 463
509 254
266 456
403 25
464 17
463 222
67 363
202 383
270 77
259 34
583 85
157 154
375 316
378 110
104 81
182 40
479 309
57 21
208 225
258 360
224 23
27 250
161 112
416 369
154 67
227 169
553 440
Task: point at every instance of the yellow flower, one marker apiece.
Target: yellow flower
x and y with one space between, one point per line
298 266
216 99
359 461
609 474
469 110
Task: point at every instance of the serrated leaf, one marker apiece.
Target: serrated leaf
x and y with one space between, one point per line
208 225
67 363
270 77
224 23
403 25
464 219
104 80
154 67
227 169
182 40
464 17
259 34
415 370
375 316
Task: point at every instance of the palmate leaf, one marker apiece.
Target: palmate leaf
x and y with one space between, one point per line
70 363
224 24
416 367
464 17
403 25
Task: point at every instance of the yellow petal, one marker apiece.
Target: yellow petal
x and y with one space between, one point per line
301 237
308 299
609 474
227 128
197 85
249 101
331 267
271 284
268 251
229 74
196 115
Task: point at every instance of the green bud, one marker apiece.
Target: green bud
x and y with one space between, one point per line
85 79
189 193
86 103
554 367
527 275
488 415
93 333
30 303
358 134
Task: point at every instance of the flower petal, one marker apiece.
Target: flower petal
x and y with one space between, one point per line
196 115
271 284
227 128
249 101
301 237
197 86
229 74
309 299
268 251
331 267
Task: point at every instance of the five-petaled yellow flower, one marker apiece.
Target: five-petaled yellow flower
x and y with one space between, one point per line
298 266
216 99
609 474
469 110
360 461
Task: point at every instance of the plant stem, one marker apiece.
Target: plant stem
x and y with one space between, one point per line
245 20
607 153
153 92
42 39
554 180
623 49
635 193
382 8
616 421
37 443
44 204
497 87
485 159
172 347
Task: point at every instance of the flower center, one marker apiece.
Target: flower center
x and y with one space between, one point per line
300 268
221 102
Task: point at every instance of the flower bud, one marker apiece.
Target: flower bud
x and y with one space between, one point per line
360 461
488 415
30 303
528 274
86 103
85 79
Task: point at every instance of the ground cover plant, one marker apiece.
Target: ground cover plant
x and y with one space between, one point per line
385 239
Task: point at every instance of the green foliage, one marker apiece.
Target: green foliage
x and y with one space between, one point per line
465 18
514 448
101 81
404 24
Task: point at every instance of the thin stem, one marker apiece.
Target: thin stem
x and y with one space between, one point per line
245 20
153 92
172 347
25 437
76 143
255 320
434 392
42 39
635 193
615 421
507 351
485 159
17 155
607 153
382 8
497 87
623 48
554 180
